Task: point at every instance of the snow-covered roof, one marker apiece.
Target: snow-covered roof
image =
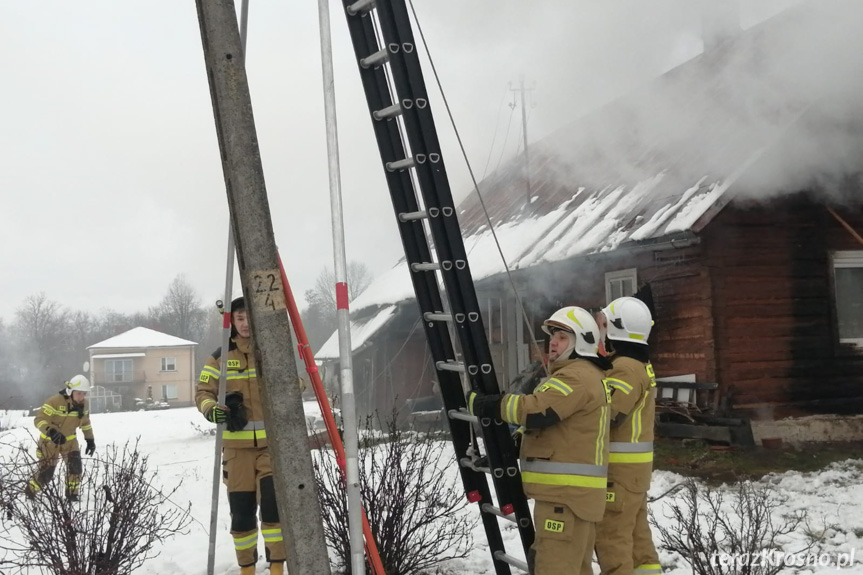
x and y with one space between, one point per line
361 330
658 162
140 338
117 355
663 161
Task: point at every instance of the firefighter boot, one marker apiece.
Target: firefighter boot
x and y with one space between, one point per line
277 568
247 570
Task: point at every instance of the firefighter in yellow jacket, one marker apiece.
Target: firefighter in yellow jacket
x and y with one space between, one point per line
246 466
564 452
58 421
624 543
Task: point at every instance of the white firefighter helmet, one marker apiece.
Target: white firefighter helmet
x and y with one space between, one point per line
580 325
629 319
78 383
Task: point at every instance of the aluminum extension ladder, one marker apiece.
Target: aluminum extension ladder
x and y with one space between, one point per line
396 94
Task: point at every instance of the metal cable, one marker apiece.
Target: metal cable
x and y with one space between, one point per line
494 137
476 186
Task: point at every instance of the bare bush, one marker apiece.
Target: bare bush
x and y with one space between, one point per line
415 510
205 431
116 526
739 531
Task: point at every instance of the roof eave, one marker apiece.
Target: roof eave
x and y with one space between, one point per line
675 241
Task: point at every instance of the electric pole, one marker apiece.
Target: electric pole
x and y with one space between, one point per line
299 510
522 90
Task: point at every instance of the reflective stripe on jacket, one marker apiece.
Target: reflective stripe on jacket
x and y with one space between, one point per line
564 453
633 409
59 413
242 377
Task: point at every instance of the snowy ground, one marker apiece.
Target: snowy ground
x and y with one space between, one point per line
175 444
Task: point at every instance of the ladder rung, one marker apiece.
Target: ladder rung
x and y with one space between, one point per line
489 508
501 556
467 462
462 415
375 59
411 216
429 316
361 6
425 267
450 366
399 165
388 112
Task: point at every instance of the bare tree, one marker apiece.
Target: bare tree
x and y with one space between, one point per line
42 323
110 323
415 511
180 312
10 376
324 292
41 331
736 535
211 335
319 316
118 524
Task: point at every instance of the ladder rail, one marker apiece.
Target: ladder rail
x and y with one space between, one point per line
425 283
425 214
434 185
413 238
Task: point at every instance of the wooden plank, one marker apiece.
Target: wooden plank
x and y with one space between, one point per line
820 335
744 355
681 430
672 317
777 288
769 391
772 269
741 305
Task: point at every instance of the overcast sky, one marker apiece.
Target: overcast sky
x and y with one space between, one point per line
111 180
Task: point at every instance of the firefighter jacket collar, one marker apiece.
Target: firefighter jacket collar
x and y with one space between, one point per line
244 344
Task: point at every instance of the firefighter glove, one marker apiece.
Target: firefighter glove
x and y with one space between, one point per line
517 436
55 436
217 414
237 418
91 447
483 406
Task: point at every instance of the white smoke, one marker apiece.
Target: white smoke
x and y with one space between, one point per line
782 98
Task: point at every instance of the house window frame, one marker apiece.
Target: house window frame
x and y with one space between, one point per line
628 273
165 387
844 259
126 376
164 363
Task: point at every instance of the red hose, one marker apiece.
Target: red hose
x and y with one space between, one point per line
324 404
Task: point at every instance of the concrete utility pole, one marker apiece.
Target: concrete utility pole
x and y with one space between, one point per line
522 90
299 511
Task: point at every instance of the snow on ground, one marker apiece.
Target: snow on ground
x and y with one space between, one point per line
174 441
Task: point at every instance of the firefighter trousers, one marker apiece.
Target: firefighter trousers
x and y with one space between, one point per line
563 544
624 543
48 455
248 475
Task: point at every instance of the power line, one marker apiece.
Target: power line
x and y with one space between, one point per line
494 137
476 186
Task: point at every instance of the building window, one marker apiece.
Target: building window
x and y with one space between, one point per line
619 284
848 279
169 392
118 370
169 364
